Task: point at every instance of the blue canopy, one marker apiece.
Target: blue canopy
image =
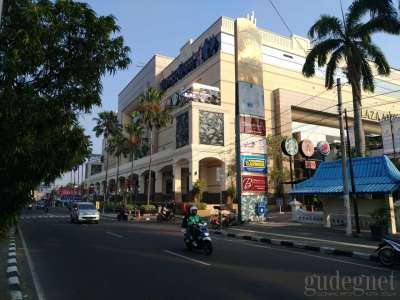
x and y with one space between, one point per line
371 175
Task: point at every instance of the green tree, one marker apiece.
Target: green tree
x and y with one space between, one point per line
135 132
52 57
278 174
152 115
348 41
106 125
118 145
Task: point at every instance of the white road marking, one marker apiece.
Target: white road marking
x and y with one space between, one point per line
12 269
114 234
16 295
187 258
305 238
36 282
13 280
304 254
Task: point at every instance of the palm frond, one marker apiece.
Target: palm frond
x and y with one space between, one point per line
367 76
376 8
375 54
331 67
327 26
319 54
378 24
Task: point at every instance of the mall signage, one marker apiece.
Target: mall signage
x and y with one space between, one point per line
254 163
251 99
210 46
290 147
324 148
306 148
252 183
252 144
252 125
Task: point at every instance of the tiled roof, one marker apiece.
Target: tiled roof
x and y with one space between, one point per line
371 175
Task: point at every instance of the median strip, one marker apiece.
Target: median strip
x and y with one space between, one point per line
13 278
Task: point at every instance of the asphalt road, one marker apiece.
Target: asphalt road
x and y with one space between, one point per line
118 260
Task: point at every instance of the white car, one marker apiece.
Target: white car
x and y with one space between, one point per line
84 212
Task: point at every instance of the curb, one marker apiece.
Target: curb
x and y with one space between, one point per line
291 244
13 278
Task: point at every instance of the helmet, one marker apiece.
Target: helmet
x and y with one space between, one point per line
193 210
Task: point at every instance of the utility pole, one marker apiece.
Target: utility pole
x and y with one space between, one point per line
346 197
1 9
353 185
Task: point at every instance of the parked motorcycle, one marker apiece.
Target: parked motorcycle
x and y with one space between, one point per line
201 241
389 252
164 214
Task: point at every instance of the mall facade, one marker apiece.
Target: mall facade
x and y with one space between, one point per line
201 86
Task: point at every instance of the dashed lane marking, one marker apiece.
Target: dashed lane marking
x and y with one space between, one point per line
188 258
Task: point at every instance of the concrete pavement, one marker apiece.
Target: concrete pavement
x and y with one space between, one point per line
119 260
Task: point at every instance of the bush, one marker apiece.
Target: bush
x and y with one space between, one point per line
111 206
148 209
132 206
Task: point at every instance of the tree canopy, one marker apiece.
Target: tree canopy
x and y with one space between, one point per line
52 57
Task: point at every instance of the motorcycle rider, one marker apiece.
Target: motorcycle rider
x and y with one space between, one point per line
192 221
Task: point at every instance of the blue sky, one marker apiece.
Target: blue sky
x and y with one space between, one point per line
163 26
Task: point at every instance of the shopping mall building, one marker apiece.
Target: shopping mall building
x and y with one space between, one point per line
200 87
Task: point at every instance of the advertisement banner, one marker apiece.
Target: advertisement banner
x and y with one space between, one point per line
252 144
251 99
252 125
387 137
254 163
252 183
249 204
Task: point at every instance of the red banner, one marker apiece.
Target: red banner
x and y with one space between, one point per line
69 191
252 125
254 183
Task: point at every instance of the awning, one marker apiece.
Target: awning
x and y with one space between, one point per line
371 175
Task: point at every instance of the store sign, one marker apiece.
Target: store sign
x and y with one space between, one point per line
290 147
374 115
306 148
254 163
310 164
252 125
390 135
254 183
252 144
251 99
324 148
210 46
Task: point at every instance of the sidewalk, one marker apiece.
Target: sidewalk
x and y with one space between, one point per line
306 236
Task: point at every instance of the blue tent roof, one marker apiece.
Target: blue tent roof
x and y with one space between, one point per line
371 175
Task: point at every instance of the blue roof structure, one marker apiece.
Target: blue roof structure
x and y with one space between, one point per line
371 175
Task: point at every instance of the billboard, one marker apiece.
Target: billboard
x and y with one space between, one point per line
251 99
389 138
252 183
252 125
254 163
252 144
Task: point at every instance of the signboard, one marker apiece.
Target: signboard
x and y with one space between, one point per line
290 147
306 148
251 99
387 138
252 144
249 204
252 183
324 148
252 125
310 164
254 163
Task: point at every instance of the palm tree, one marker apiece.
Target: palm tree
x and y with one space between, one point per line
118 145
135 132
152 115
348 41
107 124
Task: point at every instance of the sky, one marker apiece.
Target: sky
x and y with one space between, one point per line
163 26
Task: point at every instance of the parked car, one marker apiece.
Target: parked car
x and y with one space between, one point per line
84 212
40 204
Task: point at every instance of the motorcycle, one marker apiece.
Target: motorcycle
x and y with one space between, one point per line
124 215
389 252
201 241
164 214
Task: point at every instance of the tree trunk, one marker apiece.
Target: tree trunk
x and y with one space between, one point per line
131 182
359 135
106 190
149 175
117 181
